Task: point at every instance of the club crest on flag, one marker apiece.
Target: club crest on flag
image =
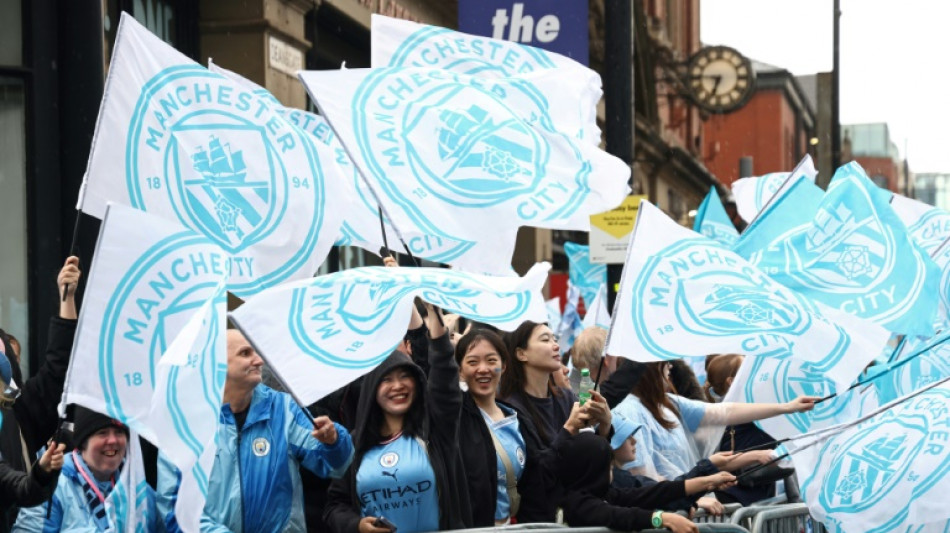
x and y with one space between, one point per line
200 129
882 461
743 302
914 371
431 46
781 379
931 229
146 304
487 154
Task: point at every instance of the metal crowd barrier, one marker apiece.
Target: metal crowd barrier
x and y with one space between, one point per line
702 517
561 528
786 518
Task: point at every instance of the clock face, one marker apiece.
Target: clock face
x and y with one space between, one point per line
720 79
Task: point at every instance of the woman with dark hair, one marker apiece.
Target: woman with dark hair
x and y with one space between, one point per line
496 434
529 386
406 470
667 446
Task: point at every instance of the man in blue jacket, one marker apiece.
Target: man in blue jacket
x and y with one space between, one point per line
263 438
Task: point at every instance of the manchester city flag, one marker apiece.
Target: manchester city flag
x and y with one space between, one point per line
682 294
401 43
340 326
928 225
193 146
150 348
887 472
467 158
570 324
128 505
586 276
361 224
713 221
753 194
854 254
597 312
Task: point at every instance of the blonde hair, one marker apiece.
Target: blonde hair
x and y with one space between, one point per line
5 401
588 348
720 369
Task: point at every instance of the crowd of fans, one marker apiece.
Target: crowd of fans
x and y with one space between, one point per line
462 426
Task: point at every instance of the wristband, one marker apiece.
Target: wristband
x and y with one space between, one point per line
657 519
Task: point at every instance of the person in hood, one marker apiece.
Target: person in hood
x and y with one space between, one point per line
407 472
263 439
588 500
88 477
30 415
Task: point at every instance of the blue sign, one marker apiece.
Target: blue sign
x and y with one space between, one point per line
559 26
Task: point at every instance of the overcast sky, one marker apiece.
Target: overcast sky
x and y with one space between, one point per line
895 60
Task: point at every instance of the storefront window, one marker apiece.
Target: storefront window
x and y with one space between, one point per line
11 33
13 251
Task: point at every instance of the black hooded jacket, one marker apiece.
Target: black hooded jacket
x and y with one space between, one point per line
478 454
441 400
34 414
583 468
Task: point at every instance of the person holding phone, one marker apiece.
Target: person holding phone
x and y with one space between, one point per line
406 473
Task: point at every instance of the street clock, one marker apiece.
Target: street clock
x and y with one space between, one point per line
720 79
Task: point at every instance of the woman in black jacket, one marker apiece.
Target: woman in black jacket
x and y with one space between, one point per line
406 468
495 434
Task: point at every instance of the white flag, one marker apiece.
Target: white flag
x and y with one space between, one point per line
340 326
597 312
554 312
179 141
465 158
886 473
150 346
131 504
928 225
752 194
401 43
682 294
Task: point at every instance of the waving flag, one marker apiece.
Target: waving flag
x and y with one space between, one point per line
586 276
713 221
129 504
570 325
886 473
190 145
752 194
855 255
554 313
920 363
401 43
340 326
465 158
597 313
928 225
684 295
150 348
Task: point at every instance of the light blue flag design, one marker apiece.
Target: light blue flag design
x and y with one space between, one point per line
586 276
341 325
190 145
887 472
928 225
131 504
570 325
150 347
682 294
941 256
402 43
919 363
854 255
755 193
597 312
554 313
713 221
466 158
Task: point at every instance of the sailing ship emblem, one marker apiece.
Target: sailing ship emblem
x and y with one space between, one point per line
482 159
732 308
219 194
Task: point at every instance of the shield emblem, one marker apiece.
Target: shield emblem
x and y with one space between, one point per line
226 180
483 153
734 306
875 461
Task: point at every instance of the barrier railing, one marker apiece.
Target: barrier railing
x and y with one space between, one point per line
561 528
702 517
786 518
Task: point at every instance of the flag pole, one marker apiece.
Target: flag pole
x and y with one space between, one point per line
73 248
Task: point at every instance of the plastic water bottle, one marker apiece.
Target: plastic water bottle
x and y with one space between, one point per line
587 384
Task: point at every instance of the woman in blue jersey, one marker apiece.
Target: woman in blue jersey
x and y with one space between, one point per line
495 434
406 468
